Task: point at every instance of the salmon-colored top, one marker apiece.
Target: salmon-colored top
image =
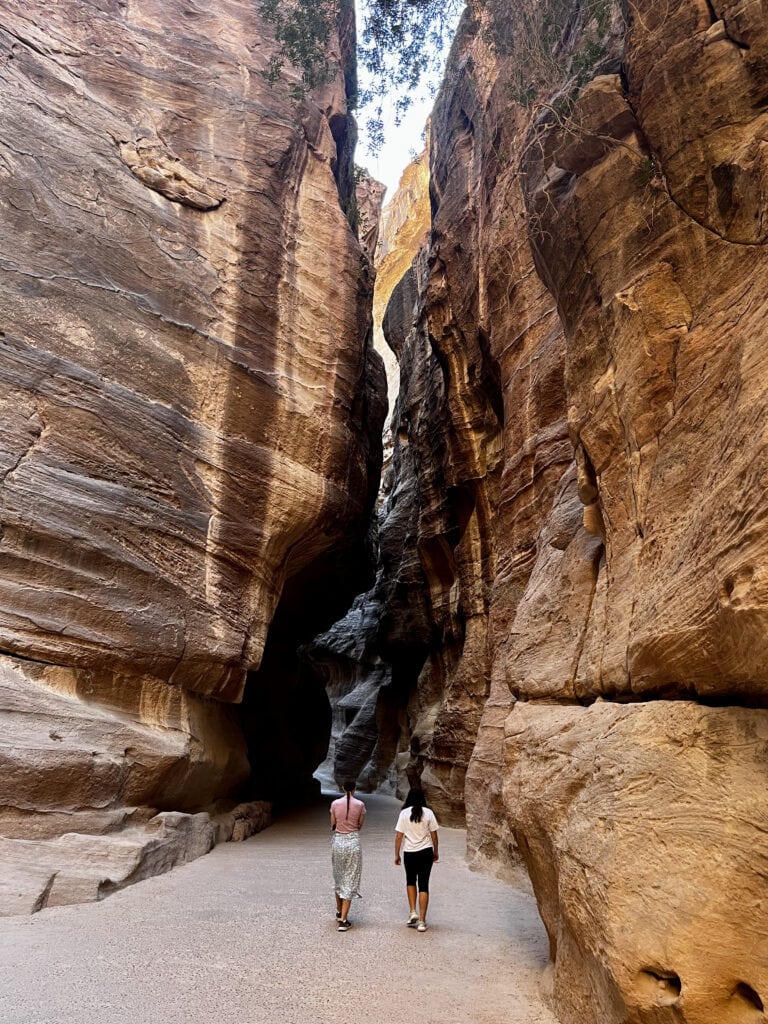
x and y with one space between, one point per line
351 822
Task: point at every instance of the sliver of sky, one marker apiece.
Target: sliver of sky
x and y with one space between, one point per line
401 142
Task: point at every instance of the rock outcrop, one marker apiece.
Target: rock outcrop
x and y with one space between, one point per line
191 409
369 196
585 510
643 828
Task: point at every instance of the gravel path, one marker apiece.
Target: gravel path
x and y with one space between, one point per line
246 936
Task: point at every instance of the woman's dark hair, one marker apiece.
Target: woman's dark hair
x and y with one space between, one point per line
349 787
417 802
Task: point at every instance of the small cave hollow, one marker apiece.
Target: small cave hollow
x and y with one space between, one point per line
746 994
660 986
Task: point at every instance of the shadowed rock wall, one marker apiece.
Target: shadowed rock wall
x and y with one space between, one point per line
190 411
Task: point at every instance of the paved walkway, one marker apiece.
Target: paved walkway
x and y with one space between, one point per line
246 936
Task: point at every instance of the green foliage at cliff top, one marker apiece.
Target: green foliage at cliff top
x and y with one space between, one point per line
400 46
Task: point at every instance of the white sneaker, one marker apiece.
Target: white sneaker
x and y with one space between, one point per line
421 926
413 920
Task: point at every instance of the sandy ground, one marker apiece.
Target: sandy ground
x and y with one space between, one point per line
246 935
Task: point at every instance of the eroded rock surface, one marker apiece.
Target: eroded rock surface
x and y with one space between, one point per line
405 225
190 412
158 358
661 290
641 824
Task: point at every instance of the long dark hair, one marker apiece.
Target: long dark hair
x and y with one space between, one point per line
349 789
417 802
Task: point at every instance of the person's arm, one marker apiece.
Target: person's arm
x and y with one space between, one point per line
434 844
398 844
333 819
362 820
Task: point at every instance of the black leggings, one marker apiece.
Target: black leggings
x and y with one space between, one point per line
418 865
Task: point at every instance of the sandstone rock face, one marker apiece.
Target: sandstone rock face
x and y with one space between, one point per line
369 196
160 352
661 307
363 738
675 306
369 660
642 827
71 763
80 867
588 458
482 331
190 411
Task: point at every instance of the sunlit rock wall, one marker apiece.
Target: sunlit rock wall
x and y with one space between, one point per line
661 286
190 411
483 334
405 225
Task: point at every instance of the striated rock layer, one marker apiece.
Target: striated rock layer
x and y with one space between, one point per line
581 441
191 410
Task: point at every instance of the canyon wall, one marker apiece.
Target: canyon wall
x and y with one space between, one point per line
190 420
580 440
661 288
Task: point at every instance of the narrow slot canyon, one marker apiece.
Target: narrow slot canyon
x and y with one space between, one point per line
459 488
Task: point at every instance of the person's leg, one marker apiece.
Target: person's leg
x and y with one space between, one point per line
409 863
411 891
353 873
423 904
426 858
336 864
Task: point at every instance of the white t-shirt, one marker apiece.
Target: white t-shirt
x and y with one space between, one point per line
416 833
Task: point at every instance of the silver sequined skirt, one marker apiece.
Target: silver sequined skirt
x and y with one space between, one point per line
347 861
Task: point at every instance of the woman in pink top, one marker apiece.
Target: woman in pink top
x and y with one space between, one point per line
347 817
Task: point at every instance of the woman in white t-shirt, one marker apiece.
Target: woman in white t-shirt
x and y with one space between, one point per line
416 836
